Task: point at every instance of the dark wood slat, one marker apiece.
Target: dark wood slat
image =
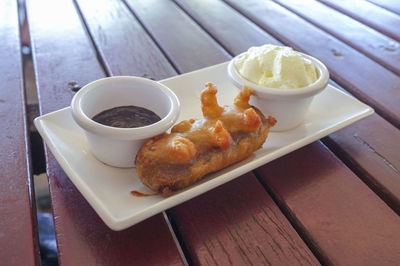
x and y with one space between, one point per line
182 44
292 250
371 15
205 14
83 239
224 23
77 209
347 222
371 156
384 50
372 163
72 209
255 227
209 15
123 44
372 146
392 5
62 56
239 212
58 67
18 238
347 66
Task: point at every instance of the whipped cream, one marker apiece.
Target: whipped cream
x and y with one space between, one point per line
276 67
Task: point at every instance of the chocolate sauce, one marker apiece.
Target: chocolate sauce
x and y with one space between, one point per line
141 194
127 117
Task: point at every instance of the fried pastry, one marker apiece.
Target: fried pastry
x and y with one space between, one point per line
194 148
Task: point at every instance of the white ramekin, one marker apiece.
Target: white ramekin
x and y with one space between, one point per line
118 146
288 106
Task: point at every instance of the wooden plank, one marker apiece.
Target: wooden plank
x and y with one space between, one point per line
58 67
18 237
72 209
347 222
60 57
392 5
371 156
371 147
182 45
196 10
239 224
83 239
372 166
123 44
224 23
60 184
382 49
371 15
374 157
291 249
347 66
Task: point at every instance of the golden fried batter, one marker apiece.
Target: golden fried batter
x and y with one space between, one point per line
194 148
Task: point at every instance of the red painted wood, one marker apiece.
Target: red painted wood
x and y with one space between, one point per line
124 46
392 5
83 239
376 17
223 23
292 249
58 66
348 223
179 37
384 50
351 69
372 146
372 165
18 238
239 224
62 56
205 14
242 200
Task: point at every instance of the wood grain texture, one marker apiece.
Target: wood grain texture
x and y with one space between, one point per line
374 16
358 148
224 248
83 239
349 223
239 224
290 250
348 67
187 46
61 58
372 164
123 44
232 30
18 238
372 168
392 5
372 147
379 47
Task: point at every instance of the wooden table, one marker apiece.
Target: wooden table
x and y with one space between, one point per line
335 201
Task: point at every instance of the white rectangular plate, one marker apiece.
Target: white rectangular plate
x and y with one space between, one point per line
107 189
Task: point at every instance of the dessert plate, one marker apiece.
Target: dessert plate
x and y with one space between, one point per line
107 189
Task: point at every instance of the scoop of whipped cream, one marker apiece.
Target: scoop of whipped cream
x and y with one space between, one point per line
276 67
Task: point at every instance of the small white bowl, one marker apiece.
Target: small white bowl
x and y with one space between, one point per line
288 106
118 146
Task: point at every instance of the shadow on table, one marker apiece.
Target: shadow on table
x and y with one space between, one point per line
47 241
